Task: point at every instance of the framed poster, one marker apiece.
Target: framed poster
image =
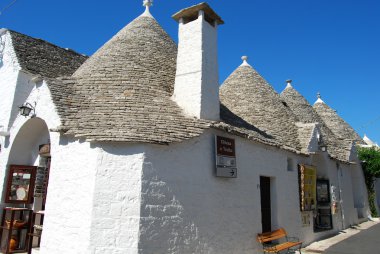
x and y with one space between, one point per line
20 185
307 176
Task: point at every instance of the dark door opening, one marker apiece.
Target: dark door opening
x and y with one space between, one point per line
266 212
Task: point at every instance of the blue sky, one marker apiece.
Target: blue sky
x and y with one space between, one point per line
331 47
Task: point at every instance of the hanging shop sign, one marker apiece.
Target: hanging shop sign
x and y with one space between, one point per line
225 157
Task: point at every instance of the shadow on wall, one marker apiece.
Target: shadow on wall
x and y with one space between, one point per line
191 211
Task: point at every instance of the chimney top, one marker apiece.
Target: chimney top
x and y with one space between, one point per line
192 13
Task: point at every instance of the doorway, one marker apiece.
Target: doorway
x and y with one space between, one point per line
266 211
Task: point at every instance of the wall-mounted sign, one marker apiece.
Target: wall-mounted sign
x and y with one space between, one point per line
225 157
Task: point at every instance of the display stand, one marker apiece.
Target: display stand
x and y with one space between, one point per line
323 221
35 230
15 224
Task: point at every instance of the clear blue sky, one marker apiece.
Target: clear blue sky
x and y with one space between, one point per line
327 46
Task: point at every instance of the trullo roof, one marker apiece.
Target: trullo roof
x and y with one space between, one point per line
336 124
122 92
305 113
247 95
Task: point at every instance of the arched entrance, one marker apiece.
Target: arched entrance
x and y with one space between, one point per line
27 173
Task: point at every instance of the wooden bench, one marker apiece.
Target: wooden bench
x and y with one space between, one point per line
286 243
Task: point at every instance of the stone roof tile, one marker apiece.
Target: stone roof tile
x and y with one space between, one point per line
122 93
248 96
336 124
43 58
336 147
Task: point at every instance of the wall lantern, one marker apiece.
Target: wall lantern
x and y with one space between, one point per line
26 109
323 148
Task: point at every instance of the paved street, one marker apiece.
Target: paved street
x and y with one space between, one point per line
367 241
361 239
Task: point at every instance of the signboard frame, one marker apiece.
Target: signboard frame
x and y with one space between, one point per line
225 157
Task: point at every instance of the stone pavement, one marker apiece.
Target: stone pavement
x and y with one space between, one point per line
333 244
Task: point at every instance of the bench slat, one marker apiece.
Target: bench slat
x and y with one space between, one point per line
270 236
282 246
275 235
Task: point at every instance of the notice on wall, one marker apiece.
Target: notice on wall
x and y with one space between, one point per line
225 157
307 176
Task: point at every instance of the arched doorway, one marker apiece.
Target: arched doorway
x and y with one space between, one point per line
26 179
31 147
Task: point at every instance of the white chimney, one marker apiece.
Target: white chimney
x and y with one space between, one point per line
196 88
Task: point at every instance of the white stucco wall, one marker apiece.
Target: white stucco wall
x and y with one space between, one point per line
186 209
196 88
9 69
350 212
45 110
117 198
359 191
68 213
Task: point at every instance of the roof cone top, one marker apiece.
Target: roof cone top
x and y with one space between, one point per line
147 4
368 141
288 83
319 100
245 63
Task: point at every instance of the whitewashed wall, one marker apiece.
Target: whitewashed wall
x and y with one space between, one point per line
196 88
359 191
117 197
9 69
46 113
186 209
67 224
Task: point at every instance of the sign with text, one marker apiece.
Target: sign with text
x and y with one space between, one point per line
226 172
225 157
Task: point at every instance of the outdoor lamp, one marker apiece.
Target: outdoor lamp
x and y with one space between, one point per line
26 109
323 148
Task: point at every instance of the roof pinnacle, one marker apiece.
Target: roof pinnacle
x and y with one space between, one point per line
319 98
289 83
147 4
245 63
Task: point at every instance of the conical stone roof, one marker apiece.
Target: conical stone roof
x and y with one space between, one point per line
305 113
122 92
142 53
336 124
299 105
248 96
